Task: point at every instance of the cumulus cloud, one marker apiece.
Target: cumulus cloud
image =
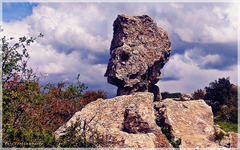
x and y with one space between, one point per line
77 37
190 76
220 57
69 26
12 29
211 23
177 5
202 59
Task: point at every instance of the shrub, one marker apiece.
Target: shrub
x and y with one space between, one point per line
219 92
21 102
87 138
31 115
199 94
169 137
226 126
170 95
15 57
222 96
32 112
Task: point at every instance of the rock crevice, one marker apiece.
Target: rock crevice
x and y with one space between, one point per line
127 121
190 121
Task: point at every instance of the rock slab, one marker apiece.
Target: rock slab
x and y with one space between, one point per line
230 140
129 120
139 50
191 121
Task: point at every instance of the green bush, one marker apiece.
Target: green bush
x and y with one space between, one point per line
199 94
87 138
222 96
221 92
169 137
15 57
170 95
30 115
226 126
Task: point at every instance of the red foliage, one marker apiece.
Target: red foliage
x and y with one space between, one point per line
52 109
32 112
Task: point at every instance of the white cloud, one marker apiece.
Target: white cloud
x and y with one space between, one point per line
212 23
191 77
12 29
74 33
186 34
69 25
210 59
201 59
57 65
219 34
165 24
217 11
231 15
177 5
52 68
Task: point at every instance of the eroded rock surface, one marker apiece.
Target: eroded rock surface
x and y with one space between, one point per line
139 50
128 120
229 140
234 141
191 121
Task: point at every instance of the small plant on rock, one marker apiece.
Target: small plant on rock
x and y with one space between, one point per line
219 136
87 137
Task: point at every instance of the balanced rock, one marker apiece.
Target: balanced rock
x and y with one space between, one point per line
139 50
123 121
190 121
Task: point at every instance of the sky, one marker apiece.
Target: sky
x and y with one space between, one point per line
77 38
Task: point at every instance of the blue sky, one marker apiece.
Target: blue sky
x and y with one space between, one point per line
77 39
17 11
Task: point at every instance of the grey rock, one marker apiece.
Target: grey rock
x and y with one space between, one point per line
139 50
124 121
133 122
190 121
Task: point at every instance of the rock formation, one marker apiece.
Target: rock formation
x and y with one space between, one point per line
139 49
129 120
191 121
137 119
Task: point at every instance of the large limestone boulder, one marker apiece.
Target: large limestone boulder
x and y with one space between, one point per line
139 50
129 120
191 121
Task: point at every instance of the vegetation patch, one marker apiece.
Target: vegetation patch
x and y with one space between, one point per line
169 137
170 95
219 136
226 126
87 138
222 96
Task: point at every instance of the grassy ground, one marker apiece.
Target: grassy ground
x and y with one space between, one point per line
227 126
